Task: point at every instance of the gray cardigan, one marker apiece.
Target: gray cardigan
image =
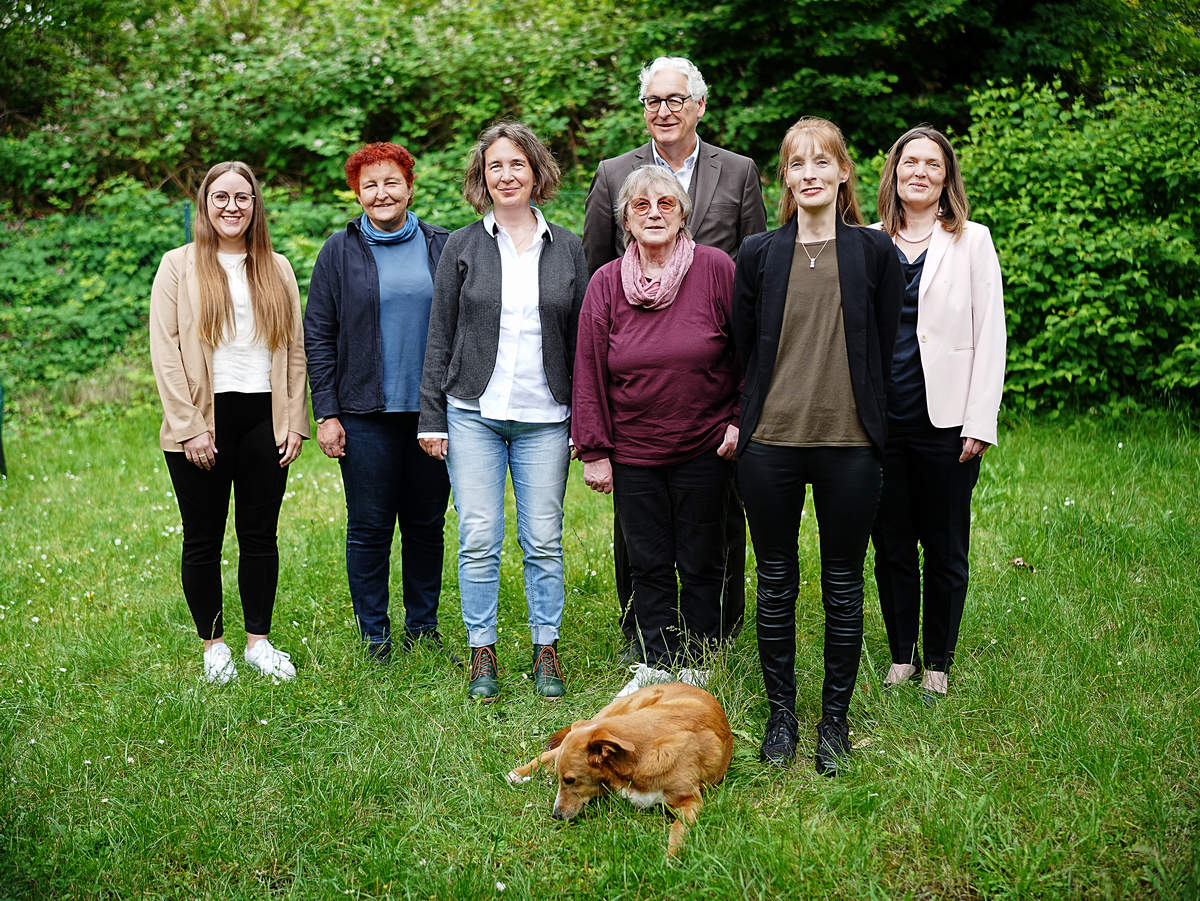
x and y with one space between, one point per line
464 323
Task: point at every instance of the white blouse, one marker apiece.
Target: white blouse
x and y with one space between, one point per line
241 362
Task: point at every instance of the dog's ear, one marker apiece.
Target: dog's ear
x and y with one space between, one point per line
606 750
557 738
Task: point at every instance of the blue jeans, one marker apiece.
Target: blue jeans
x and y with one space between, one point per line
481 453
389 480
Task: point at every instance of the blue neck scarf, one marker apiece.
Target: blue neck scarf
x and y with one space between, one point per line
375 236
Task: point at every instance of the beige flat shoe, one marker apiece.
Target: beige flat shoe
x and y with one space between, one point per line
934 681
899 673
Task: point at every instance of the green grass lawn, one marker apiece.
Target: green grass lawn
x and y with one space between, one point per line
1063 764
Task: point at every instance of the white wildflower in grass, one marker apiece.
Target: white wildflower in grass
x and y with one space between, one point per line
262 722
161 741
500 886
1120 445
117 542
129 760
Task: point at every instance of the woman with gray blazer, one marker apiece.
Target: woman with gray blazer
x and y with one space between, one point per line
496 391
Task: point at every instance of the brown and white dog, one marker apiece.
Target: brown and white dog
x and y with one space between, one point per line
660 745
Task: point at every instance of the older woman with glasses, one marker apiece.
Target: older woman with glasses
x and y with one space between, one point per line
655 420
496 391
228 352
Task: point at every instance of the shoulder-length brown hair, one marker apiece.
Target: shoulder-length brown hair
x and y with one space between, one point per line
953 207
273 313
827 137
545 171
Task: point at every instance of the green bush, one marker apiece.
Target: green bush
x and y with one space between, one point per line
73 287
1093 211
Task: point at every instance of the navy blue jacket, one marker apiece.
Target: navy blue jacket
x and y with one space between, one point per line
341 323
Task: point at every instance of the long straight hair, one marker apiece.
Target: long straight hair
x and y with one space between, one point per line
273 313
827 137
953 208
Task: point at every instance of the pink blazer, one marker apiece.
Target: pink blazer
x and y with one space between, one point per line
960 331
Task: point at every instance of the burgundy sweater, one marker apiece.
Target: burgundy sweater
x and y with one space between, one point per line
655 387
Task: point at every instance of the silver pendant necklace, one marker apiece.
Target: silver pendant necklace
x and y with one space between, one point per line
812 260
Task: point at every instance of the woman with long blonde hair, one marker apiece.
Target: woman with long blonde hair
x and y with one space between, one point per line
815 305
227 345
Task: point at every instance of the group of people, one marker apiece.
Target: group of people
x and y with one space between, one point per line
699 366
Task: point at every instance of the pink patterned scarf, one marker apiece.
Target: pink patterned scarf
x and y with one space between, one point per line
656 293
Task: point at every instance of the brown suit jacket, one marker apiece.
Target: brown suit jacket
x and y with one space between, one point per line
727 202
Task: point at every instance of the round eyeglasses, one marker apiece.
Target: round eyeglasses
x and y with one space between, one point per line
220 199
674 103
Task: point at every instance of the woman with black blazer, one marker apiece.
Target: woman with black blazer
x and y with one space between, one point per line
815 308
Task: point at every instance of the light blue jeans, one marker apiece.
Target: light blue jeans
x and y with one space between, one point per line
480 455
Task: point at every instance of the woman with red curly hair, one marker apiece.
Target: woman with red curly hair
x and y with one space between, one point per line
364 327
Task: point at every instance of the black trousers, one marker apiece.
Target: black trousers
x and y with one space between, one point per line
733 588
247 462
845 484
926 500
674 519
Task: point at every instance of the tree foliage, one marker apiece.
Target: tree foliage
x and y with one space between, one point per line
1093 211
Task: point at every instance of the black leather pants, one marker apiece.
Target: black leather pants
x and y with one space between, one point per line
846 483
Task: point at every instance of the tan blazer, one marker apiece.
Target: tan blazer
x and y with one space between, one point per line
960 331
183 362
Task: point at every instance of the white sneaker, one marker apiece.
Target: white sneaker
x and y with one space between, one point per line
642 676
697 677
270 661
218 664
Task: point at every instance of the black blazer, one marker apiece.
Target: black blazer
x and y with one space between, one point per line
872 292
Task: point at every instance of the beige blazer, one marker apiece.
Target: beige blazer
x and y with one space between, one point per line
183 363
960 331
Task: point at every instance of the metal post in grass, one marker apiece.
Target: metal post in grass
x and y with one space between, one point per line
187 222
3 468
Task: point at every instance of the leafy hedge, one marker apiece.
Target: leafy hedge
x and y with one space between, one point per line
1092 209
1094 213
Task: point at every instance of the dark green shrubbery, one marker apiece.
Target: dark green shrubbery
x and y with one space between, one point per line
73 287
1094 213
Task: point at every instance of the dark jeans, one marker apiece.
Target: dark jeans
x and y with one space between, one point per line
247 460
927 500
845 484
674 520
733 589
389 480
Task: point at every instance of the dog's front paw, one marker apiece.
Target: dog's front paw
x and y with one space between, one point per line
515 778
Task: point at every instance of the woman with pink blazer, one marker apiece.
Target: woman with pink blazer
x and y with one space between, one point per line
943 400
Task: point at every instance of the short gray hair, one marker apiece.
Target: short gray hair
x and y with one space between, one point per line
697 89
644 177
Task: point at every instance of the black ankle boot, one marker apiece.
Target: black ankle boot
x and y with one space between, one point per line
833 744
780 738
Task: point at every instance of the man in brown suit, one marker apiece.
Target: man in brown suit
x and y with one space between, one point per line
727 206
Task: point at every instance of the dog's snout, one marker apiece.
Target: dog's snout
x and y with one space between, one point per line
558 814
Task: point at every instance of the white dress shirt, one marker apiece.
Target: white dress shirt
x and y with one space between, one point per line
689 165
